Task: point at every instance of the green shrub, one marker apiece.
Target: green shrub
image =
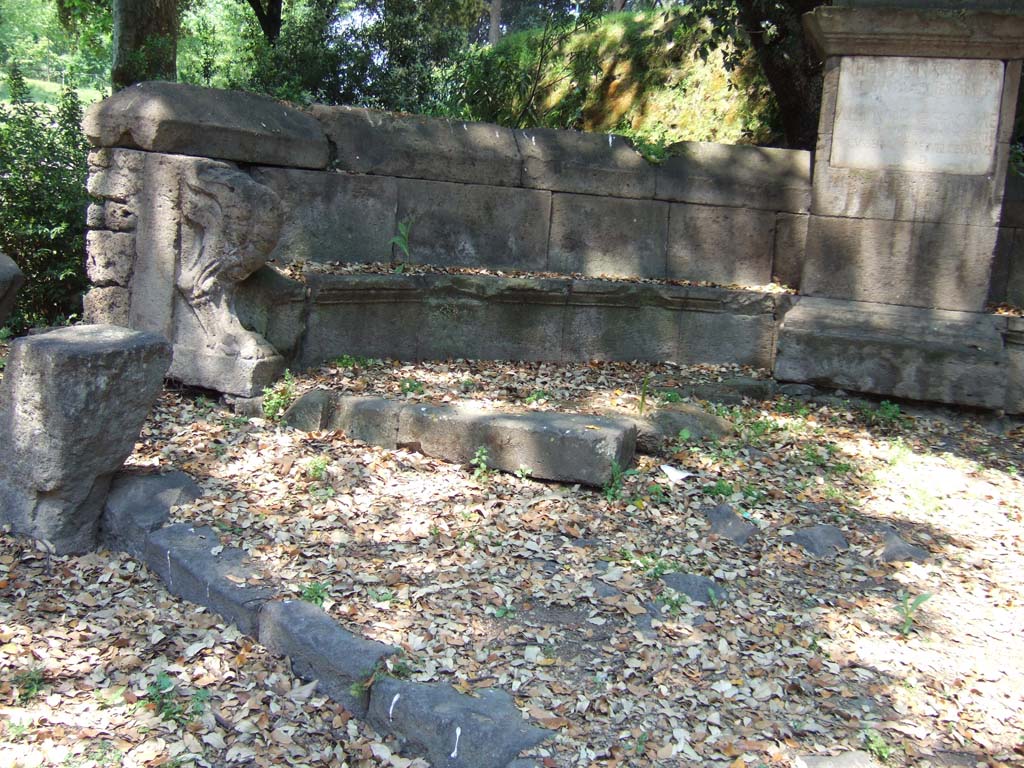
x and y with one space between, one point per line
277 398
42 203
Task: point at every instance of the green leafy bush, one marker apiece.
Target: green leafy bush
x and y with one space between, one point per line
42 203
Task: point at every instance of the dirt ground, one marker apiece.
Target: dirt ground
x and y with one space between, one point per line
552 592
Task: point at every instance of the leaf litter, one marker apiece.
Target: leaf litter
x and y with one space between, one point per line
552 592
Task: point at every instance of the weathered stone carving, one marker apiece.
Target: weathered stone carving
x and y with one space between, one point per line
11 280
229 226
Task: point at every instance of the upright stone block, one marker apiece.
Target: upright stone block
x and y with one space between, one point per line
72 403
727 246
11 280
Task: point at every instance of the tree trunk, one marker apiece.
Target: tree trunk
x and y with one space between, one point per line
145 41
790 66
269 19
614 6
495 32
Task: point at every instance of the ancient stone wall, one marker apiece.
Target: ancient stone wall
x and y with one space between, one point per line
197 190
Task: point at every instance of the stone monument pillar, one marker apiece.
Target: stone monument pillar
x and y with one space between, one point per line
917 112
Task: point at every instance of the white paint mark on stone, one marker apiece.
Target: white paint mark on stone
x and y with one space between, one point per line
609 139
458 735
391 709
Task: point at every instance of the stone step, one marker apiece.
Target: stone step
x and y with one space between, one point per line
565 447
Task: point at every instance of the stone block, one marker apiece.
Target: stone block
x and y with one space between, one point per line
662 422
727 524
11 280
341 662
94 216
699 589
612 321
140 503
736 176
919 354
419 147
474 225
367 315
119 217
451 729
212 369
788 250
1013 200
116 174
72 403
109 257
895 262
553 446
107 305
586 163
273 305
912 32
194 565
1015 355
190 120
373 420
728 246
1014 293
608 236
727 336
332 216
311 411
820 540
486 318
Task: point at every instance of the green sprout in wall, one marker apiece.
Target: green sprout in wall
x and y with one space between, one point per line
401 240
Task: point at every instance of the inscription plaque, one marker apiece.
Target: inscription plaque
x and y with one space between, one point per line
917 114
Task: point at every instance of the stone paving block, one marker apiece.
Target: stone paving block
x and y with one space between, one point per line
373 420
587 163
108 305
570 448
311 411
820 540
606 236
189 120
72 403
11 279
419 147
699 589
140 503
194 565
453 730
729 525
319 649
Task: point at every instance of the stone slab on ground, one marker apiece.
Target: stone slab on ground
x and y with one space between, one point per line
662 422
853 759
419 147
140 503
189 120
699 589
897 550
570 448
11 279
194 565
373 420
72 403
310 411
453 730
919 354
727 524
820 540
319 649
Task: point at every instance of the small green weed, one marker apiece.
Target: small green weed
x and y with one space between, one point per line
613 488
876 744
524 473
29 684
322 492
384 595
504 611
537 396
673 602
652 566
719 488
682 439
907 608
887 415
102 755
171 705
670 396
481 468
314 593
643 395
317 467
278 397
656 491
17 731
793 407
401 240
410 387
